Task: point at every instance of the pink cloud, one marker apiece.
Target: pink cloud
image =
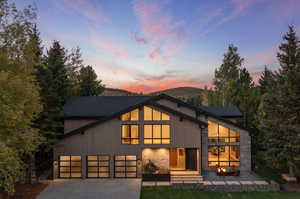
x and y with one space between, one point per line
268 56
108 46
159 28
87 8
139 40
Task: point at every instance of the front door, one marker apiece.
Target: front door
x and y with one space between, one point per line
177 159
191 159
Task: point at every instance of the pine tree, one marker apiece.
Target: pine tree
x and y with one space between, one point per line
280 108
88 83
266 81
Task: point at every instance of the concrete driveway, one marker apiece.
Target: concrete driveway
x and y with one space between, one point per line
93 189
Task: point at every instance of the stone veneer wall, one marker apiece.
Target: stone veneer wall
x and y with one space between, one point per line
160 157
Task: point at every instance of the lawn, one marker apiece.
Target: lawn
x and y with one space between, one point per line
171 193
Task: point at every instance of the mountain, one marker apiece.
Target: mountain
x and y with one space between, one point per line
117 92
182 92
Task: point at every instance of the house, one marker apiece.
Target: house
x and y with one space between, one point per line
119 136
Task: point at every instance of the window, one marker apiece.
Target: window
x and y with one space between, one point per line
151 114
156 134
125 166
69 166
218 133
130 134
98 166
131 116
223 156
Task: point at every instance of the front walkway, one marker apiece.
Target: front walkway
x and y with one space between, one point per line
93 189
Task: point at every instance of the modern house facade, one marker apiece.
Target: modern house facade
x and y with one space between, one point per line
123 136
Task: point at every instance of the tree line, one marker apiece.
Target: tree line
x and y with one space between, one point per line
34 85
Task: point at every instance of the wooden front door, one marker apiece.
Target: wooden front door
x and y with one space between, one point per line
191 159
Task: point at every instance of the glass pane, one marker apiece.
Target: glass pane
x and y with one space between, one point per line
64 157
156 115
234 153
156 131
104 175
90 157
64 169
213 164
120 169
224 164
131 169
134 131
75 169
76 164
130 157
92 163
213 140
135 115
92 175
165 141
65 163
93 169
237 139
120 175
156 141
103 164
212 129
134 141
76 158
120 157
234 133
212 153
223 131
64 175
103 157
103 169
125 117
125 131
147 141
165 116
147 131
165 131
223 153
234 164
131 163
125 141
147 113
75 175
120 163
131 175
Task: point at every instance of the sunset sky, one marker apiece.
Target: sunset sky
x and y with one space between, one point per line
146 46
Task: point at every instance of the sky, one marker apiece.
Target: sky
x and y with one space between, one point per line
151 45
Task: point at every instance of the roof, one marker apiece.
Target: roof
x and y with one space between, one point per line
103 106
228 112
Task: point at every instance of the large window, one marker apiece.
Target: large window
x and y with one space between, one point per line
69 166
151 114
130 134
157 134
218 133
125 166
131 116
223 156
98 166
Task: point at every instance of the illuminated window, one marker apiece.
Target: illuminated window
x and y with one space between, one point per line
223 156
218 133
130 134
131 116
69 166
98 166
151 114
125 166
157 134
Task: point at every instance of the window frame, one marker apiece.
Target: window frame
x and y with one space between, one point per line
125 166
130 138
219 138
130 118
161 133
152 115
70 166
221 161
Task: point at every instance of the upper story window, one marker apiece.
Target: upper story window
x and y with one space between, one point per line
157 134
130 134
219 133
151 114
131 116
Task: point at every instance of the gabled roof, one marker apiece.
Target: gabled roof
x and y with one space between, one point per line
108 107
227 112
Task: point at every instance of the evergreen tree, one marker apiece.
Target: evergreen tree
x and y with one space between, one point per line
280 108
88 83
266 81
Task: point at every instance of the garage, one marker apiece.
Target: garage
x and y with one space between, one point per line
98 166
125 166
70 167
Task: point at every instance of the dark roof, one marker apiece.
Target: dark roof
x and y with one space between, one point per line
229 111
99 106
103 106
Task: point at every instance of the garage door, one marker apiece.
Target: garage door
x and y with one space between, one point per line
69 166
125 166
98 166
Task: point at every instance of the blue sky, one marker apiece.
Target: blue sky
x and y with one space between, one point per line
149 45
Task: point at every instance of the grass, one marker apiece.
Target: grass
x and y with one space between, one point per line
171 193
